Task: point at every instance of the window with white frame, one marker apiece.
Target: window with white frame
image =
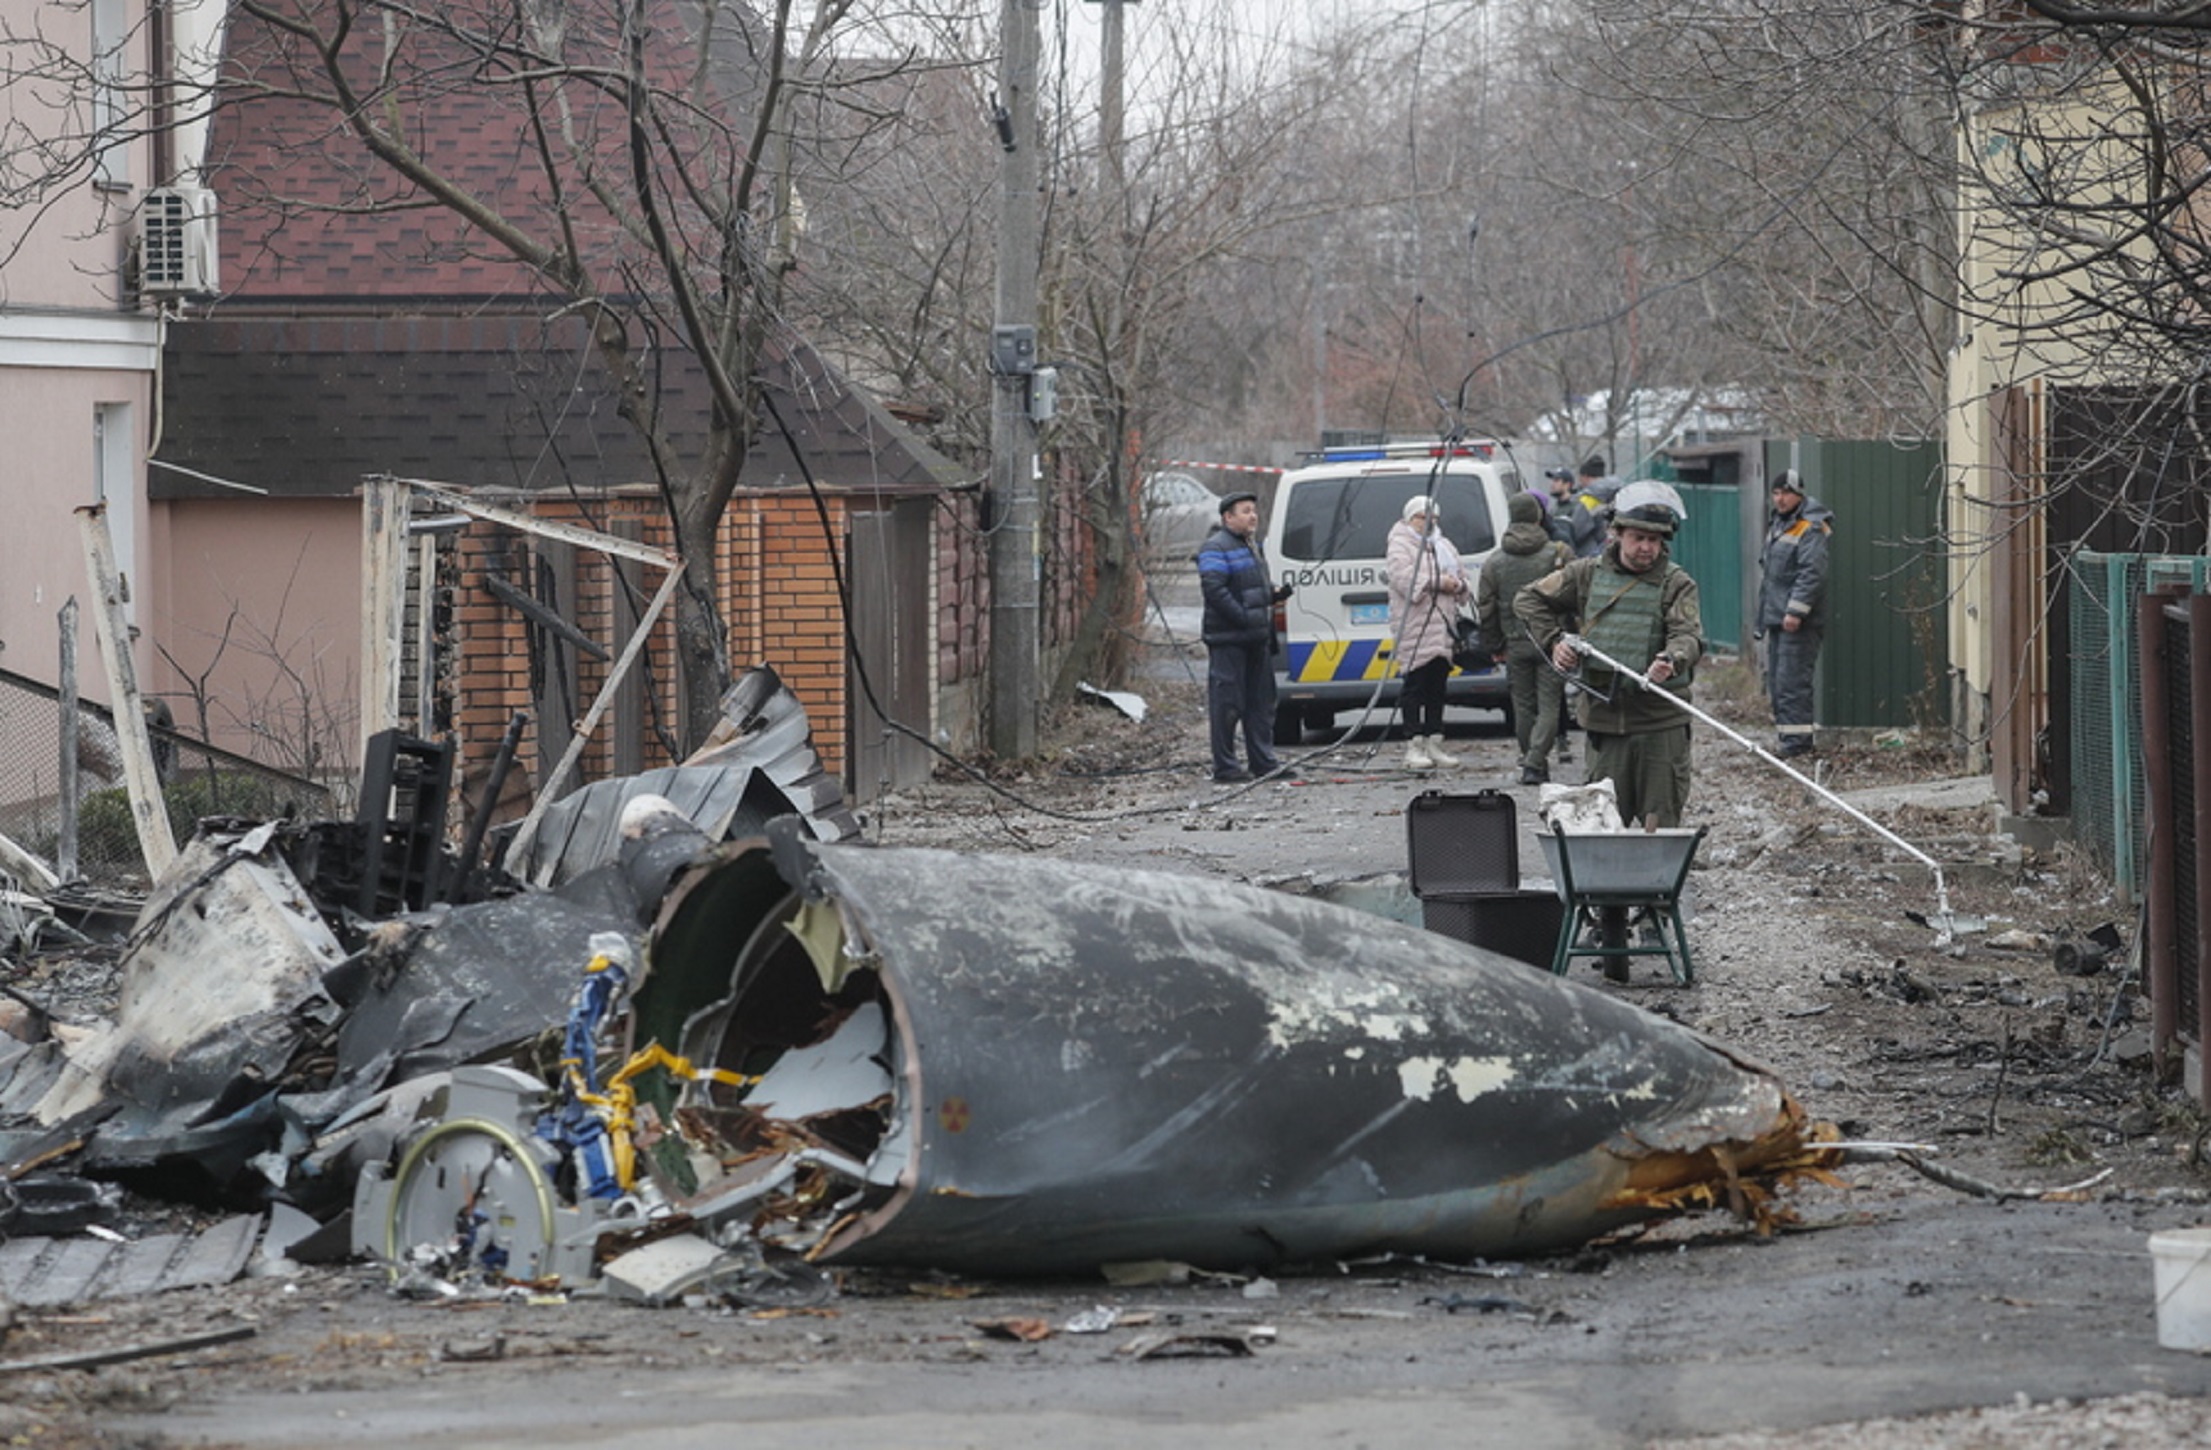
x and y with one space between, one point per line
110 108
114 469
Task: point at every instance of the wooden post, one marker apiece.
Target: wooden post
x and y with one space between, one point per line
518 850
69 794
552 571
624 580
385 505
426 637
155 841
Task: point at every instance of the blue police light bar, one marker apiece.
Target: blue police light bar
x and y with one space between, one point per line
1368 453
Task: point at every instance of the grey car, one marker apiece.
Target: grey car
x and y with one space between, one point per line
1179 512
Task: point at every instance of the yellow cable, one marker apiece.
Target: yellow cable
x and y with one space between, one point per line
617 1104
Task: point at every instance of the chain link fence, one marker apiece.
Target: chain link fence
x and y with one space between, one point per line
197 780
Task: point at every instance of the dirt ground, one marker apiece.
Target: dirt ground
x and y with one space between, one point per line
1897 1311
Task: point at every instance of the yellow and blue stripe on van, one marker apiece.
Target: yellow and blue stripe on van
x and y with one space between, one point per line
1313 662
1320 661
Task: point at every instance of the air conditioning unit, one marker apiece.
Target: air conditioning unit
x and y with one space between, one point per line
176 243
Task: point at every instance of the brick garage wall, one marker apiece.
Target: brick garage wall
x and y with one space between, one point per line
494 678
780 594
1070 564
963 591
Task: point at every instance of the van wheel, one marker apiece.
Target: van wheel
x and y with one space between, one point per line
1289 725
1320 720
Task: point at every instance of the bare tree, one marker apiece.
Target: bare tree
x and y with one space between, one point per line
2091 150
1585 197
1213 183
640 179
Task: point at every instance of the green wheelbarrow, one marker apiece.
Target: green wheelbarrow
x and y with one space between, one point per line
1605 878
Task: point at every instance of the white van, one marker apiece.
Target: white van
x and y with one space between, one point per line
1328 537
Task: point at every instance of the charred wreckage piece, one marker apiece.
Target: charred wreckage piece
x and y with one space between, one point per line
260 1005
999 1065
704 1050
1011 1066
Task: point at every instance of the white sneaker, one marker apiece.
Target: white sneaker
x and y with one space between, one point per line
1416 753
1435 753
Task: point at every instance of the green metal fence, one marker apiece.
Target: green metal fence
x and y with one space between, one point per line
1884 658
2103 598
1710 547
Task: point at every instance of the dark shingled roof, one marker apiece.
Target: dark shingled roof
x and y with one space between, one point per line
308 407
352 343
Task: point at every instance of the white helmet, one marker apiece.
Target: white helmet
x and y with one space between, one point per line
1648 504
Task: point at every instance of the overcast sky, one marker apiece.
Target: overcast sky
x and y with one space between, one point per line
1159 31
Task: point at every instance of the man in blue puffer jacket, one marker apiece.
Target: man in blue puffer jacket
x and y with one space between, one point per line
1239 640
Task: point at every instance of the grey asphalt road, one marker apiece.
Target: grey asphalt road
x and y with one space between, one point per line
1890 1303
1894 1297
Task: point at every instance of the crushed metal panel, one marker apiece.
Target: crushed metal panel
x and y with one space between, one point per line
585 829
664 1270
707 795
764 725
1097 1065
176 1261
65 1272
30 1077
842 1073
44 1272
478 980
15 1056
184 1029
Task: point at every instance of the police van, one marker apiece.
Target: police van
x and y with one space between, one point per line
1328 538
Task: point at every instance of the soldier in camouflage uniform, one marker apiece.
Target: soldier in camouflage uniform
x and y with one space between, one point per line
1636 605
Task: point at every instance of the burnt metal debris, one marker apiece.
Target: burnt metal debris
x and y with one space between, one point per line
348 980
700 1042
1006 1065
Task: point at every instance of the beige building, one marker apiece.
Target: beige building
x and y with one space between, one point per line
2049 218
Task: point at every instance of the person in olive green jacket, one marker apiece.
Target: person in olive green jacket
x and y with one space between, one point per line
1524 555
1638 606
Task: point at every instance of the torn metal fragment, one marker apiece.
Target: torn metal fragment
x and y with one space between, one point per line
759 763
662 1272
1044 1068
183 1032
1201 1345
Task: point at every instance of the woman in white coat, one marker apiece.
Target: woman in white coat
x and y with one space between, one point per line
1427 581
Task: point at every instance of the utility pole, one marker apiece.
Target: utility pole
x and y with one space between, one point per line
1110 79
1016 561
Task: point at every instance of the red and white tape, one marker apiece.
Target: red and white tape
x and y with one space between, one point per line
1223 467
